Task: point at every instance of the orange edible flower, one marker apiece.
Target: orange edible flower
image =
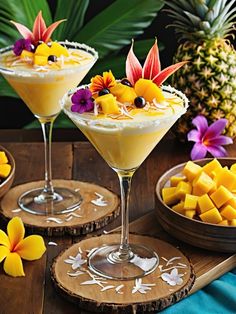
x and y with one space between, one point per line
98 82
14 247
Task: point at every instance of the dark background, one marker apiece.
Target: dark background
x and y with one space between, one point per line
21 115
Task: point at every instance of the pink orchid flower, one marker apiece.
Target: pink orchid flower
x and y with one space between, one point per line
151 69
208 138
40 31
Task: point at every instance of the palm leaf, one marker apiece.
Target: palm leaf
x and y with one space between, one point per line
23 12
114 27
74 11
6 89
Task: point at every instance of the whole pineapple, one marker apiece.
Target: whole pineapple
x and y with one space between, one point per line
209 79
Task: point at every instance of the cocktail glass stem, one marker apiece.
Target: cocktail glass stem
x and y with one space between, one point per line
48 190
124 252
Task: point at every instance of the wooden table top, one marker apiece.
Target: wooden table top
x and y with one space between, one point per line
78 160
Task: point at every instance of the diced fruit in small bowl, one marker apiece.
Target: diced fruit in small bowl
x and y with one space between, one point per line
196 203
7 170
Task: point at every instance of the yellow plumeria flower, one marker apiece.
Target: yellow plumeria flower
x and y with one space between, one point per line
14 247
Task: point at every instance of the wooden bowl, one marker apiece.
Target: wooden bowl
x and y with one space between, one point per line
7 183
197 233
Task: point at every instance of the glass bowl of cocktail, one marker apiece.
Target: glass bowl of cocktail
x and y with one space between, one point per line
124 120
41 71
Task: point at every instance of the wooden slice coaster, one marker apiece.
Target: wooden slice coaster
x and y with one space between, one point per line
74 285
87 218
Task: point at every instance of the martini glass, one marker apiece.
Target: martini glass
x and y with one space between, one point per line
124 144
41 92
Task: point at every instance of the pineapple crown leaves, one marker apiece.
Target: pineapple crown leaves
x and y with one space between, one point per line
151 69
202 19
40 31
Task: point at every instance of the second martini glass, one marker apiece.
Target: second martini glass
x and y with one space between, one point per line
124 144
41 91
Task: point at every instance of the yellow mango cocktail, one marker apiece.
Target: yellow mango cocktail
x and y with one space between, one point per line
42 86
41 70
125 140
124 120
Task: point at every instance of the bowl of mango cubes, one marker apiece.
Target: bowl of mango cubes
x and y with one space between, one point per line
7 170
196 203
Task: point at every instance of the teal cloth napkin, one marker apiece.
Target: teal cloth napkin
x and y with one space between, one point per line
219 297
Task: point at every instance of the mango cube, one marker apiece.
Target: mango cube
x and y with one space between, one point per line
191 170
212 216
205 203
233 168
108 104
232 202
3 158
182 189
221 196
169 195
43 50
179 208
212 167
174 180
26 54
40 60
190 202
226 178
223 222
5 170
233 222
148 90
58 50
190 213
228 212
124 93
203 183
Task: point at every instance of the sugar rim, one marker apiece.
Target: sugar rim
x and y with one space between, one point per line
75 116
84 47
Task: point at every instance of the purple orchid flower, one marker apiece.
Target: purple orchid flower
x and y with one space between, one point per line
82 101
20 45
208 138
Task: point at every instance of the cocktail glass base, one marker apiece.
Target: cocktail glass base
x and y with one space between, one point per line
62 201
107 262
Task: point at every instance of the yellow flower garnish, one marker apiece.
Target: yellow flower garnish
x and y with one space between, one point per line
14 247
98 82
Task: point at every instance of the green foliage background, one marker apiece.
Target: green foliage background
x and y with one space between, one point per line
109 32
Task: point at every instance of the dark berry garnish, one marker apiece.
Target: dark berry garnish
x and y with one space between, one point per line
52 58
125 81
140 102
104 92
32 48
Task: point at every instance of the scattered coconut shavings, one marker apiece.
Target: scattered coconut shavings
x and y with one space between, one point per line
170 261
17 210
107 288
144 263
172 267
90 252
118 288
77 190
181 264
80 250
105 232
52 243
125 112
142 287
95 280
99 201
54 219
95 109
75 274
76 261
165 259
75 215
69 218
174 278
